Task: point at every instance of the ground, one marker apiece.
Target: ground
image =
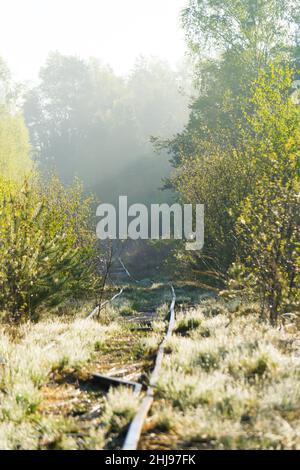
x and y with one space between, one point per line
229 379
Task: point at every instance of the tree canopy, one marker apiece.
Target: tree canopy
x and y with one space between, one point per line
86 121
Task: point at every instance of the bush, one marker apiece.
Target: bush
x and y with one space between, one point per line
46 247
268 228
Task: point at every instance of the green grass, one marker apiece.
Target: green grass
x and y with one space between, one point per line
41 367
44 391
229 380
141 298
235 387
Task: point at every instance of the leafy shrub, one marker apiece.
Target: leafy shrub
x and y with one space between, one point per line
269 224
46 247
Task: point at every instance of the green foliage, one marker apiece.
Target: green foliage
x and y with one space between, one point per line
239 153
259 26
269 224
15 150
46 245
220 180
245 36
251 195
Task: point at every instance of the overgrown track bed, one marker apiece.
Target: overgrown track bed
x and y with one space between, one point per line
126 361
142 374
49 390
228 381
136 426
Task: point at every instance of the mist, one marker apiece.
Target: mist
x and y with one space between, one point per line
86 121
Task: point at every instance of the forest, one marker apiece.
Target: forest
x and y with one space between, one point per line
221 129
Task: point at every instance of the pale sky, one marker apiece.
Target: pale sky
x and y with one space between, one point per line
116 31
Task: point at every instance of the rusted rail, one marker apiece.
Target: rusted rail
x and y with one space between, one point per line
135 429
106 382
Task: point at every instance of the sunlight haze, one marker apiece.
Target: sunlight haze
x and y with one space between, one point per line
112 30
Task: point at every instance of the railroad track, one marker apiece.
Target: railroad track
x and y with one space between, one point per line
119 375
98 309
135 429
118 368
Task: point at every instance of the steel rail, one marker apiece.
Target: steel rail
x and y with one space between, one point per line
137 281
135 429
127 272
98 309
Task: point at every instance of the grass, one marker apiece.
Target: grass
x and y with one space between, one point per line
37 364
229 381
121 406
46 397
141 298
